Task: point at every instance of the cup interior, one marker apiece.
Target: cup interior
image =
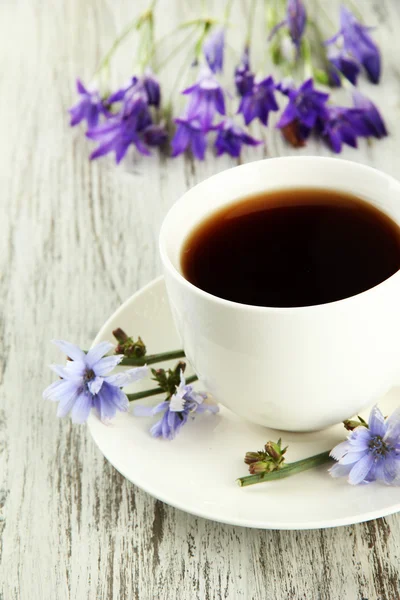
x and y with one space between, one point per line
232 185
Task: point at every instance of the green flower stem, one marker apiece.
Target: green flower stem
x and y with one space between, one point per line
135 24
134 361
175 51
307 58
155 391
106 59
250 22
200 21
286 471
227 11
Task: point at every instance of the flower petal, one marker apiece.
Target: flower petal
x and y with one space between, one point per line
61 390
156 430
107 364
127 377
199 145
50 393
181 140
66 404
361 469
376 422
338 470
213 49
70 350
352 457
359 438
97 352
340 450
95 384
177 403
81 409
60 371
392 434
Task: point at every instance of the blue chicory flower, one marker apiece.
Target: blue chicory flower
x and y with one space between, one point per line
183 403
230 139
259 101
89 107
213 49
370 453
86 384
371 117
206 98
305 107
189 133
126 128
244 77
358 44
296 19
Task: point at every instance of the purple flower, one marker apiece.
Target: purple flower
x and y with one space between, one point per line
148 85
89 107
343 126
244 77
370 115
154 135
345 64
306 105
152 88
358 43
213 49
119 95
370 453
124 129
285 86
259 101
206 98
84 383
230 139
189 133
296 19
184 402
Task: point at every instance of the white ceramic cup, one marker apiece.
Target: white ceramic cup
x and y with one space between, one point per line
297 369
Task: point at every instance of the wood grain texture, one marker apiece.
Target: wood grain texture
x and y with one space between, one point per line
76 239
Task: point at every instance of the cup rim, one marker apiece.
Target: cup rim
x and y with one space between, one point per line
379 288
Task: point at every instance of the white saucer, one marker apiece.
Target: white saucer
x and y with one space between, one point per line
196 472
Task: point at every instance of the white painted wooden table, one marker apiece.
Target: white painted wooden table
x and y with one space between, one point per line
76 239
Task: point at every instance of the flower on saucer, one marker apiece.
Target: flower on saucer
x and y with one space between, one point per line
176 411
85 382
371 452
